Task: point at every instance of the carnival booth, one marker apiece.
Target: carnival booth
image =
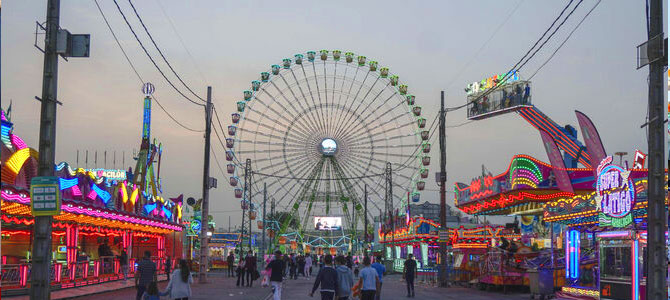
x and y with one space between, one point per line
605 235
220 246
100 214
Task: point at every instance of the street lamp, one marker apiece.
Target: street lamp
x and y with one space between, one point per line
620 155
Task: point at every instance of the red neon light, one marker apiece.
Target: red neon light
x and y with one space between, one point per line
16 220
560 134
23 275
59 271
504 201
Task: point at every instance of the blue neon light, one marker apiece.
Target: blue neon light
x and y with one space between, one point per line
167 212
68 183
149 208
573 252
636 271
104 195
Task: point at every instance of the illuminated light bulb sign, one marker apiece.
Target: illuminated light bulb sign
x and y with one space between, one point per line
615 194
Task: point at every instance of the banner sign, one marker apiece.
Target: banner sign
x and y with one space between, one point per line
615 194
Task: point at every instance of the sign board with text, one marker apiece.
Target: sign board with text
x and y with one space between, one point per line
45 196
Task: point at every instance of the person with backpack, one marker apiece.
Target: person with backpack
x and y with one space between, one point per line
327 279
369 281
380 274
145 274
179 287
276 268
345 279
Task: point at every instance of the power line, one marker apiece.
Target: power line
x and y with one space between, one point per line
216 114
321 179
136 72
161 52
511 13
525 59
565 40
216 159
195 64
151 58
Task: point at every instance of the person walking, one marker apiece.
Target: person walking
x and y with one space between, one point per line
168 266
240 271
152 292
409 273
308 266
345 279
327 279
250 264
350 261
380 273
146 274
301 265
369 281
293 267
276 268
179 287
231 264
123 262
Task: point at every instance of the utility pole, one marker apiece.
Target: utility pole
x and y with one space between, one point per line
657 214
204 216
265 200
247 183
365 218
443 193
272 213
41 260
389 205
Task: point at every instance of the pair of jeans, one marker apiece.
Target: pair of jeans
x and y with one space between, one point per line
240 277
368 295
327 295
250 277
378 295
276 289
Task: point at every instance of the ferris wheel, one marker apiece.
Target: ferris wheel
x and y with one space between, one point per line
319 129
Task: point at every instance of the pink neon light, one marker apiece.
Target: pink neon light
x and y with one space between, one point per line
76 191
18 142
612 234
59 271
95 213
92 195
23 275
3 116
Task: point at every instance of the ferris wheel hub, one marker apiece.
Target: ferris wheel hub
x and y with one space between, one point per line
328 147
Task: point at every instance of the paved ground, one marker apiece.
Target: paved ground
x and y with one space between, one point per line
221 287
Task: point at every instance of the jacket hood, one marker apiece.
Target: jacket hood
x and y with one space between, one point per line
342 268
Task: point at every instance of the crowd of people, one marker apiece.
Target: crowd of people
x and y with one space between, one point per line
340 277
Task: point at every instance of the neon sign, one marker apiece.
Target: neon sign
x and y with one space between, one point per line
487 83
111 175
615 194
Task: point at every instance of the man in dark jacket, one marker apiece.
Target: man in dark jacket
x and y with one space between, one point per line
409 273
250 265
276 268
327 278
231 264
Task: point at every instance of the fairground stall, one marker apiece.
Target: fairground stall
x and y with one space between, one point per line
521 191
220 246
604 239
420 237
101 213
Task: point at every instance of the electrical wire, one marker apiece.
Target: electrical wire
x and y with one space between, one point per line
526 58
216 159
161 52
465 66
181 40
565 40
151 58
216 114
136 72
320 179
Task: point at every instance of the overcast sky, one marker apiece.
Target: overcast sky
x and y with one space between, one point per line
426 43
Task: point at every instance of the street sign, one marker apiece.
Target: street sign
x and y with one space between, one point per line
45 196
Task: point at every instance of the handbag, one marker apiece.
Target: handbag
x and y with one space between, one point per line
255 275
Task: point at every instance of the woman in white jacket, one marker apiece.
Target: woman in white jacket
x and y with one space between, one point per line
179 287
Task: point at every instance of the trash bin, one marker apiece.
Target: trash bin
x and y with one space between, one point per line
541 283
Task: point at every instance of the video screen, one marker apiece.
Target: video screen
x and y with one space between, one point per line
327 223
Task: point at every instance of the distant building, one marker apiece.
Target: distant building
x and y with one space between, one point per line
431 211
428 210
